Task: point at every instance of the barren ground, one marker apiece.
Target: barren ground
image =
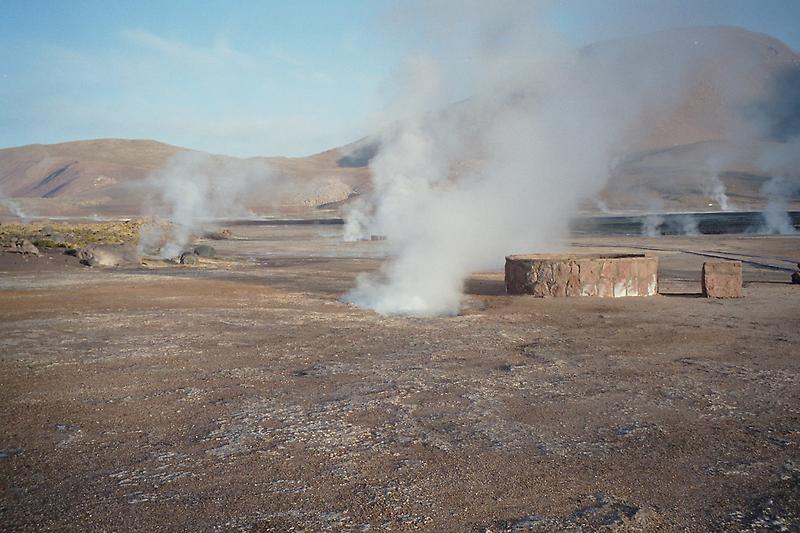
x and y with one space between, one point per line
242 395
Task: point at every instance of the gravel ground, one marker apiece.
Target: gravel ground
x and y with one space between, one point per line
242 395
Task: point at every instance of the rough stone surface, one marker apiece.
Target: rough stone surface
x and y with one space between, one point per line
86 257
722 279
221 235
604 276
24 246
108 255
188 258
204 250
600 513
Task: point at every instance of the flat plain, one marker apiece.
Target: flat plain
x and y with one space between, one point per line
241 394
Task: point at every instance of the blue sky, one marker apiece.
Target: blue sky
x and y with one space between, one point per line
255 77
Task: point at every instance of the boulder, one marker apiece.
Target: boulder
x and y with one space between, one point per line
722 279
188 258
86 257
204 250
221 235
796 278
107 255
24 246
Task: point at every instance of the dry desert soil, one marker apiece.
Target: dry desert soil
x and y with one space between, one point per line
241 394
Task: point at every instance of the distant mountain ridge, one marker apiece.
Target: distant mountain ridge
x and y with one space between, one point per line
736 74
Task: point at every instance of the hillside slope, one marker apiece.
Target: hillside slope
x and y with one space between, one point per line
741 94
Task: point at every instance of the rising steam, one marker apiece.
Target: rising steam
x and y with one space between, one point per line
194 188
716 192
782 162
539 133
14 208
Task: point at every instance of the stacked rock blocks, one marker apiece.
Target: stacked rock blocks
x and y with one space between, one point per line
604 276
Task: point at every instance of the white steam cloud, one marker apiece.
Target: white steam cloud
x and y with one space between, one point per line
195 188
651 225
717 192
782 162
504 170
656 225
14 208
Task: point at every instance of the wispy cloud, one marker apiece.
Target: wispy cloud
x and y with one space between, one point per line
215 95
220 53
276 52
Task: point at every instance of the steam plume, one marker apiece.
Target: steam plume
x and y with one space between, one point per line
655 225
782 161
716 191
651 225
14 208
540 132
195 188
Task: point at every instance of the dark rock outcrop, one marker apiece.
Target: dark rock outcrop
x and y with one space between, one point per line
188 258
204 250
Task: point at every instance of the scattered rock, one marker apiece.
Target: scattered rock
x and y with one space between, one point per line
26 247
188 258
221 235
86 257
765 514
5 453
603 512
106 255
204 250
532 523
23 246
90 261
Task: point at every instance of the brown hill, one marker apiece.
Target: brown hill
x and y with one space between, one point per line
79 167
107 176
729 74
741 94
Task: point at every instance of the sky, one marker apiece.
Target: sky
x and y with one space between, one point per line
258 77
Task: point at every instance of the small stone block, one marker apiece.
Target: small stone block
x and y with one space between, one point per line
722 279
